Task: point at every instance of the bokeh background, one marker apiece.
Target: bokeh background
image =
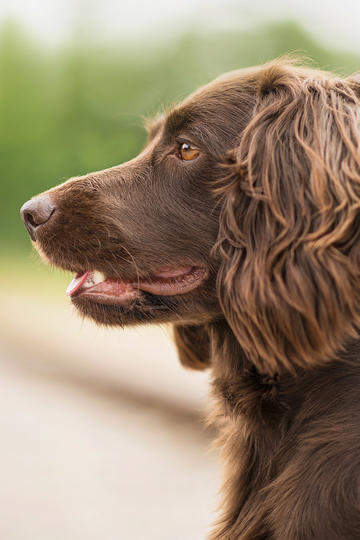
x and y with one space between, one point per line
101 432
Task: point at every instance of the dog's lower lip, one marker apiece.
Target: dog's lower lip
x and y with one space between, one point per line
166 282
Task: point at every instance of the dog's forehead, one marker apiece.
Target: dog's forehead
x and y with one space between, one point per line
227 82
212 104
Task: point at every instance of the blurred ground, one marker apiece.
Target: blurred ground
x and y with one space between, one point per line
101 431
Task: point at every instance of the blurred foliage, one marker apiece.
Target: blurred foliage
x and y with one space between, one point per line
79 107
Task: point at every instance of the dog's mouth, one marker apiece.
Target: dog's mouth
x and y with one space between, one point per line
96 286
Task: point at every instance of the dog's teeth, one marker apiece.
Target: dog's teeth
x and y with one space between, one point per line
97 277
93 279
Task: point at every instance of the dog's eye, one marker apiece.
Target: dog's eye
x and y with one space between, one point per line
187 152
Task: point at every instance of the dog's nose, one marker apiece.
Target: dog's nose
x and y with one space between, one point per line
36 212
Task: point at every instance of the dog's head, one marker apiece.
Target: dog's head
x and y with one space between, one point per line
243 206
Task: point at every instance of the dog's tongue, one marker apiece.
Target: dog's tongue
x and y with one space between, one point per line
77 282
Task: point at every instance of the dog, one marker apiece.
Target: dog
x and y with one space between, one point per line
239 223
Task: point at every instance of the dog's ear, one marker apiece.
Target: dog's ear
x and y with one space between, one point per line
354 83
289 282
193 346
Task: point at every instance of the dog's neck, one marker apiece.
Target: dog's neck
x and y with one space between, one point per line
243 391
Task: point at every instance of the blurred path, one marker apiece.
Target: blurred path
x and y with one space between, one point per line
100 432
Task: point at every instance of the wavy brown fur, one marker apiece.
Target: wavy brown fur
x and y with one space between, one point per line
289 229
271 208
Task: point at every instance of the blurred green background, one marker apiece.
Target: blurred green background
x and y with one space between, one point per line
96 423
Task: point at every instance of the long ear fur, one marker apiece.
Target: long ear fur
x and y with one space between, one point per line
289 284
354 83
193 346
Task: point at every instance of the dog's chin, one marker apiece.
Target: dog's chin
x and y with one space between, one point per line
150 309
146 308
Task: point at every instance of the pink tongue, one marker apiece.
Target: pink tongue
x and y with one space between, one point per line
77 282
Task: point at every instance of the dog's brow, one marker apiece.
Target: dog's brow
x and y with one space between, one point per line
176 120
153 125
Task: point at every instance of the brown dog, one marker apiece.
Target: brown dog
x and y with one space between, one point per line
240 223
